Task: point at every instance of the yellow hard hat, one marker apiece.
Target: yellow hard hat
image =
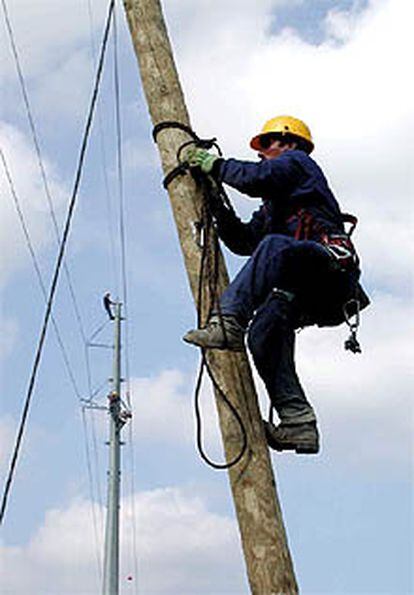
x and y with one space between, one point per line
283 125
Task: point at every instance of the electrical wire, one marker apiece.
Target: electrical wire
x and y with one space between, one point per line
58 266
36 143
104 162
92 492
65 356
36 266
92 393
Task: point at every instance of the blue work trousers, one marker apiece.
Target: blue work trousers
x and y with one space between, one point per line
302 268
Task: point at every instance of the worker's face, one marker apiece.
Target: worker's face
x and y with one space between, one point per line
273 148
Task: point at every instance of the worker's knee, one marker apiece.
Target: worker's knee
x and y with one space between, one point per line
265 331
272 321
256 344
274 243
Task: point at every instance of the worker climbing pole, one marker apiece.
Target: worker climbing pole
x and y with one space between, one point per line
302 270
268 561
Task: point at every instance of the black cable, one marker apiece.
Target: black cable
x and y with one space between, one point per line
57 332
92 493
104 161
208 269
210 239
199 426
31 249
210 252
97 331
58 265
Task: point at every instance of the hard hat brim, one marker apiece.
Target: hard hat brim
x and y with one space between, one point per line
256 144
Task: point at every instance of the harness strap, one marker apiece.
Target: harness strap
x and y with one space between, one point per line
348 218
305 224
352 309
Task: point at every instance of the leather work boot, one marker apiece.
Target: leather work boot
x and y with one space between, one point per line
302 438
226 333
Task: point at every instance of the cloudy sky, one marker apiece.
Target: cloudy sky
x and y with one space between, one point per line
344 67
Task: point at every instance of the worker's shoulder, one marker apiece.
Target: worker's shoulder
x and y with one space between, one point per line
296 155
301 161
294 162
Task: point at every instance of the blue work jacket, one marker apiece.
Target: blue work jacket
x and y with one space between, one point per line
289 185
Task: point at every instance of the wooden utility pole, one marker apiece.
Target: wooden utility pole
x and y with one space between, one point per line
268 561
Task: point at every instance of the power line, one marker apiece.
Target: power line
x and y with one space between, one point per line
58 266
36 266
107 193
92 492
65 359
68 368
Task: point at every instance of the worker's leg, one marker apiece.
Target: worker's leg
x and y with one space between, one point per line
279 261
271 340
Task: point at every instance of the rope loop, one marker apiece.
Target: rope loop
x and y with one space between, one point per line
202 143
208 273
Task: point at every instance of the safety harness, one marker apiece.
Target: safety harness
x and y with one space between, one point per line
344 258
339 245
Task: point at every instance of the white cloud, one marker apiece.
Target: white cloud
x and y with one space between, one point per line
8 335
137 156
46 32
54 44
365 401
52 94
180 541
7 431
165 414
24 170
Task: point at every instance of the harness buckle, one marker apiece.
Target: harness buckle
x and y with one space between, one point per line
341 248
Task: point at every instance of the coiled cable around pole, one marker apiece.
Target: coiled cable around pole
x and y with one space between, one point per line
208 273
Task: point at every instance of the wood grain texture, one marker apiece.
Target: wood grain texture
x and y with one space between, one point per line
263 538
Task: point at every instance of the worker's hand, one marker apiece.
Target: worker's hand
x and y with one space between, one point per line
200 158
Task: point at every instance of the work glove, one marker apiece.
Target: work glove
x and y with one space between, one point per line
200 158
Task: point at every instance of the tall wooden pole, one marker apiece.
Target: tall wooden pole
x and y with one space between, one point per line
268 561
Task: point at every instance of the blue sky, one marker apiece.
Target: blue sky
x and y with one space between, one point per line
348 511
308 18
